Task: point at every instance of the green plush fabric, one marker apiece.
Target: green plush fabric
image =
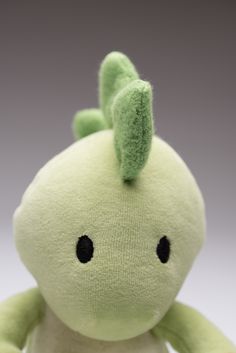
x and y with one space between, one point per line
52 335
133 127
190 332
122 299
126 103
124 290
87 122
115 73
18 316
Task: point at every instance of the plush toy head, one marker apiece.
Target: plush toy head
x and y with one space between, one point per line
110 227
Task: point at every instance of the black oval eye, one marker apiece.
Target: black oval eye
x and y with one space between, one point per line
163 249
84 249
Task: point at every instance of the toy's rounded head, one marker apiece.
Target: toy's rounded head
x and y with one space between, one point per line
110 227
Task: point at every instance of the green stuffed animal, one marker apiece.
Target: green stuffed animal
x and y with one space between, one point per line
109 228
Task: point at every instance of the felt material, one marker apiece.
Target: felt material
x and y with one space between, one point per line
124 290
87 122
18 316
115 73
133 127
190 332
64 340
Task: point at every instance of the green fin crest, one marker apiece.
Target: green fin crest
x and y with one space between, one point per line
126 106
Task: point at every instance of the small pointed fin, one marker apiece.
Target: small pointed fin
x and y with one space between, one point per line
133 127
116 72
87 122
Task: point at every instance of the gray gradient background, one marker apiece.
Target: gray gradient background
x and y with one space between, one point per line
50 52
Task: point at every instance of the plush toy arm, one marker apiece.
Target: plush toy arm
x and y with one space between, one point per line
18 316
190 332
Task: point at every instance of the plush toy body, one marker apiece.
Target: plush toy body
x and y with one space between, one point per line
109 228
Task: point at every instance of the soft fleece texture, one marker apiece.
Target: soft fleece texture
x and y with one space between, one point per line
124 290
126 105
18 316
121 300
63 340
115 73
87 122
188 331
133 127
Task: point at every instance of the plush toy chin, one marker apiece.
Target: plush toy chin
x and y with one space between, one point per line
116 329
